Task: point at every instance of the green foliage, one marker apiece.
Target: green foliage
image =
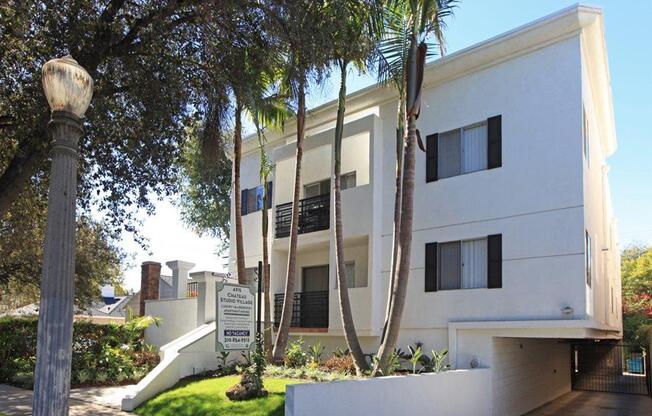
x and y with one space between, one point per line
149 84
208 397
102 354
438 358
98 258
205 198
393 363
415 357
305 373
315 352
339 352
636 268
295 356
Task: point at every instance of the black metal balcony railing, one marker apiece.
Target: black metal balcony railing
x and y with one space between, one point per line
314 215
310 309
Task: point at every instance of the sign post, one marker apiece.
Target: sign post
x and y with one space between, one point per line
236 313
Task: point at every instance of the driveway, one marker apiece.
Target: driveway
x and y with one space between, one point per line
16 401
588 403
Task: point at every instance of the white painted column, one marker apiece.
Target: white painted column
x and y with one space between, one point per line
180 271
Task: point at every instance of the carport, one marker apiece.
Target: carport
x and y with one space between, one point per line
589 403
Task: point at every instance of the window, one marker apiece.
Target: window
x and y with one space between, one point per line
317 188
588 258
352 279
464 150
251 200
348 180
465 264
585 137
449 152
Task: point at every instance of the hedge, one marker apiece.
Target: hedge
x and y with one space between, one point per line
102 354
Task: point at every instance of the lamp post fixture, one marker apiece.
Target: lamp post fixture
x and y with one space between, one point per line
68 89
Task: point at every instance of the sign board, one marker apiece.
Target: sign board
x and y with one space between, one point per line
236 315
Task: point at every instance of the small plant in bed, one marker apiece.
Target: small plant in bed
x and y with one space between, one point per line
251 380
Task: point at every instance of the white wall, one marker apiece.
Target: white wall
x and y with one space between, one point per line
178 317
534 200
528 373
598 213
461 392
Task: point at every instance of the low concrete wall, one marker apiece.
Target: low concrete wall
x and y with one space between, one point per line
451 393
178 317
178 359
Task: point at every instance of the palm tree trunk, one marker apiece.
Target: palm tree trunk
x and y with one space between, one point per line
267 326
400 141
350 335
237 155
405 230
288 302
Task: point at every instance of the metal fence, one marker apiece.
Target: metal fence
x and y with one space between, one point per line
310 309
610 367
314 215
191 289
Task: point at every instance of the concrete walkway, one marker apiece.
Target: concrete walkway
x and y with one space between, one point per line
16 401
588 403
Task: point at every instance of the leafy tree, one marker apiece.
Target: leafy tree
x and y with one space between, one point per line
357 25
205 185
637 292
98 259
149 87
424 24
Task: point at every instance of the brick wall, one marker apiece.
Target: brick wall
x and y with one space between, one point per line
150 274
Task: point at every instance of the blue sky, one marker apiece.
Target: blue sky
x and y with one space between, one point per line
629 46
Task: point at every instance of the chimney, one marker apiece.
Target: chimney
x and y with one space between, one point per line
150 274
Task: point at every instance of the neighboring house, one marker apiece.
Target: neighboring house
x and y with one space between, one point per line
514 248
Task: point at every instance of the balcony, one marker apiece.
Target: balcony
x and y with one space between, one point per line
310 309
314 215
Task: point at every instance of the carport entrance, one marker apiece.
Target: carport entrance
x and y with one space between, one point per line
610 367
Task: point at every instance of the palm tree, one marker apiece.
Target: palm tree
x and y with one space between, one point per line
269 110
391 70
301 27
355 41
423 20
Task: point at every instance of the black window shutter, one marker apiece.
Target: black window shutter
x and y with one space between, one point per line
494 137
431 267
495 261
268 194
431 157
243 202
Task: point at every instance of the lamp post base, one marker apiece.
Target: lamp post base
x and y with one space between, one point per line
54 348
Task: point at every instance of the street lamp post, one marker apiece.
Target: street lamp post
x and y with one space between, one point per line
68 89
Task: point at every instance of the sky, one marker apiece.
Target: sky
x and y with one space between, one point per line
629 47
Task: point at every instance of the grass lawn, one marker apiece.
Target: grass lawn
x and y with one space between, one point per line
207 397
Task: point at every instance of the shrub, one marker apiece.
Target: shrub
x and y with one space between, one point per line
275 371
101 354
343 364
315 352
295 356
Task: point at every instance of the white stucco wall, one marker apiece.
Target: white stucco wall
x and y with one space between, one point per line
528 373
451 393
178 317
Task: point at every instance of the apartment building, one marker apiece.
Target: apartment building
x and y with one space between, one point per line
514 250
